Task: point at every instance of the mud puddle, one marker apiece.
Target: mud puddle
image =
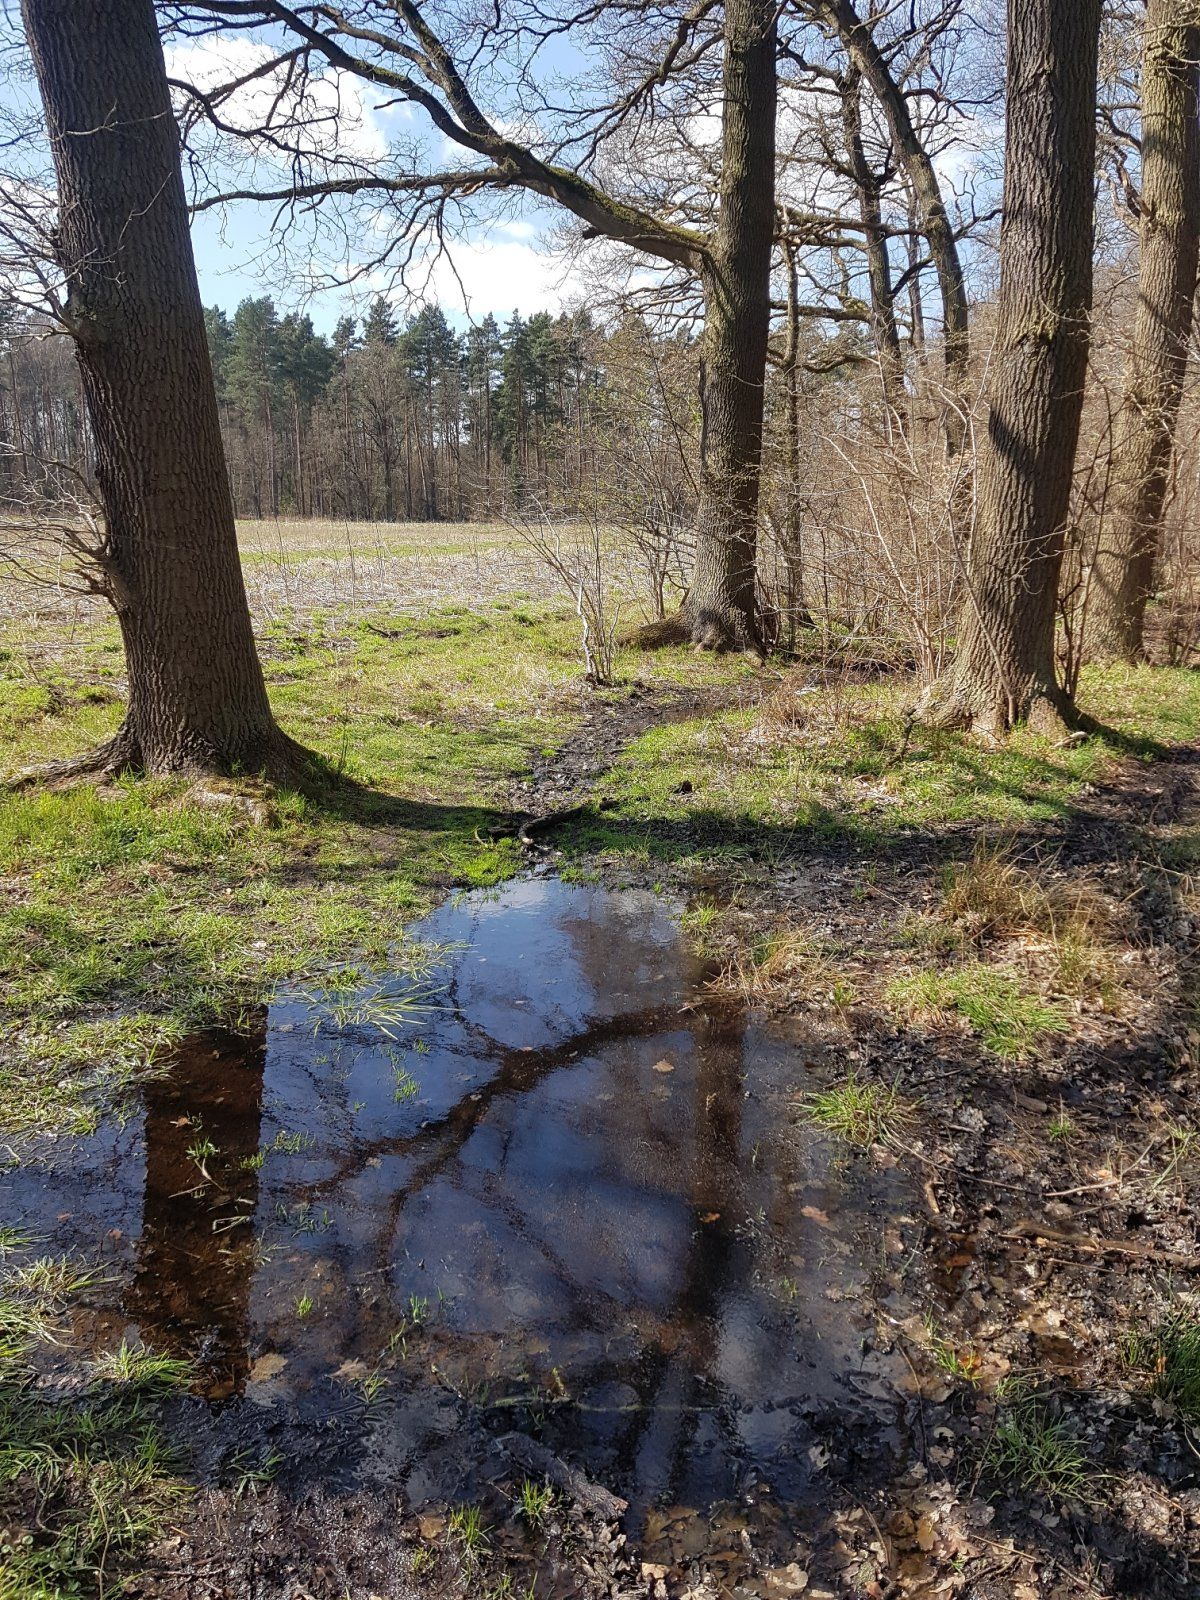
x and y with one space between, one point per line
550 1185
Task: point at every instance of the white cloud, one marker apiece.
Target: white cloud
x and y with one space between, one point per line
500 271
337 117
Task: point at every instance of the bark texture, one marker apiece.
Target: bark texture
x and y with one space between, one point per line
858 39
196 695
1004 671
1122 573
720 611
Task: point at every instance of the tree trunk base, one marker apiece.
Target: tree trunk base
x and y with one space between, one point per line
703 630
279 761
959 707
1104 644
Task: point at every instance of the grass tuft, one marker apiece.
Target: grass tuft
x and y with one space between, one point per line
992 896
85 1482
466 1529
536 1500
1037 1454
138 1368
861 1113
1008 1019
1170 1355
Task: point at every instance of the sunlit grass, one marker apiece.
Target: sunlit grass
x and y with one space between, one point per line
1169 1356
135 914
1007 1017
846 770
87 1478
1038 1454
859 1111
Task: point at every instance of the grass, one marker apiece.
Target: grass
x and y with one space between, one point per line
1060 1128
784 966
85 1482
138 1368
466 1528
536 1500
992 896
282 541
963 1365
135 913
1169 1355
1036 1453
860 1113
837 772
994 1000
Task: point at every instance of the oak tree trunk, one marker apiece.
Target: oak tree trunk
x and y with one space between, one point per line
1004 669
197 700
720 611
1122 573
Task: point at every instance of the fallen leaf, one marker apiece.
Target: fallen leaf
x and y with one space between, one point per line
663 1066
267 1367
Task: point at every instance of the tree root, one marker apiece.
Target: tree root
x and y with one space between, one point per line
282 763
953 706
705 631
115 756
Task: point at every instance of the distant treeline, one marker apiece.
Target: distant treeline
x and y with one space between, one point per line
392 420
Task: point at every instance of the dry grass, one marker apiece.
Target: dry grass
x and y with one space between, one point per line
1066 921
783 967
299 539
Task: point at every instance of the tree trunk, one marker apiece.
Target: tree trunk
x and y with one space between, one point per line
879 266
1122 573
859 42
720 612
1004 670
196 694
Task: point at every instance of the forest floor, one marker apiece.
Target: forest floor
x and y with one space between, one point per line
961 984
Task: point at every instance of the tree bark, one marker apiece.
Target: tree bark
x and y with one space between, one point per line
879 266
1004 670
720 611
197 700
1122 572
865 55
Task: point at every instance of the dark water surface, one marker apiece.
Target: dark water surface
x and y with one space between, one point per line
575 1195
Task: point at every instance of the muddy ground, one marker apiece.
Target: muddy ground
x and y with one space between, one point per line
997 1250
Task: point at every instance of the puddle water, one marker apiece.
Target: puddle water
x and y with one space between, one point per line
574 1196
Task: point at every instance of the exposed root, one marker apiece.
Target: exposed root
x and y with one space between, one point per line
704 630
956 707
283 763
115 756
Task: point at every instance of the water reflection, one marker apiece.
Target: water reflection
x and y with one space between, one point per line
196 1254
580 1177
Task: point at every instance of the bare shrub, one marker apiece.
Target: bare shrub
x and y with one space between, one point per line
578 554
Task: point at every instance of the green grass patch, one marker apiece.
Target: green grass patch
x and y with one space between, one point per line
1169 1356
134 913
996 1003
86 1477
1036 1453
859 1112
804 765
